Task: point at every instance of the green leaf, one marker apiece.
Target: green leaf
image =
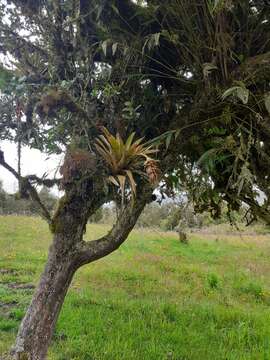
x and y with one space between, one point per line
114 48
267 102
177 133
208 159
156 37
241 92
208 68
5 78
168 140
129 141
104 46
115 9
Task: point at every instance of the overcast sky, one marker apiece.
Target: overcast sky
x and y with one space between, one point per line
33 162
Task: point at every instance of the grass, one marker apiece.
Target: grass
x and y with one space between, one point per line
153 299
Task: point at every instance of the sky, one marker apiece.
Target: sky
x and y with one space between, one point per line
33 162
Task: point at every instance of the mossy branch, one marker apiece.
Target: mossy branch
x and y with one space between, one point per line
56 99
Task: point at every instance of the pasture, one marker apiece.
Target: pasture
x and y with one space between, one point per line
153 299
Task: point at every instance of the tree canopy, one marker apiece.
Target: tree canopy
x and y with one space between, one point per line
137 95
191 77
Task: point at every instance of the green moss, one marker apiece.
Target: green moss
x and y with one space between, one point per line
56 225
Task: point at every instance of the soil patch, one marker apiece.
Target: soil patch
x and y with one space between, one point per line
8 271
18 286
7 305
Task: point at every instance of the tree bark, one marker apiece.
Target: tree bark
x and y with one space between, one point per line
38 325
68 226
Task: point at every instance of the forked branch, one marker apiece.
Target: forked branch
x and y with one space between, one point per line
94 250
28 187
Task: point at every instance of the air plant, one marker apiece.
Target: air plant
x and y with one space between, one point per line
127 158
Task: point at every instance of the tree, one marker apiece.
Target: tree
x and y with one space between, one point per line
3 198
14 204
132 93
97 216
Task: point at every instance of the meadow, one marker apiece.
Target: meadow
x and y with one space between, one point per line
153 299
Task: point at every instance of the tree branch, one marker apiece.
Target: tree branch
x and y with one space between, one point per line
56 99
20 41
94 250
21 50
46 182
28 187
261 211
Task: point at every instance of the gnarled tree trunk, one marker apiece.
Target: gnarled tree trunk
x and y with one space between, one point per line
37 327
67 253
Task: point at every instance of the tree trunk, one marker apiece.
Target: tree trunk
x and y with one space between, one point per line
183 237
67 253
37 327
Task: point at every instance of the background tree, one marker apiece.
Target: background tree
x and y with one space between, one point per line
3 199
13 204
47 198
91 78
97 216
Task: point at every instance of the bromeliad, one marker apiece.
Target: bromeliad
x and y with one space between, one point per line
124 159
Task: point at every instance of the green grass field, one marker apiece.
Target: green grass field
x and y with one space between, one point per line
153 299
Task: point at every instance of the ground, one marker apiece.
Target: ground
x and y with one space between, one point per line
154 299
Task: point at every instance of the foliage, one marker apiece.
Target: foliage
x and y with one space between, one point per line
239 91
199 68
97 216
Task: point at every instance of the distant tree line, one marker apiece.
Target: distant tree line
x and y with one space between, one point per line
167 215
14 204
171 215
